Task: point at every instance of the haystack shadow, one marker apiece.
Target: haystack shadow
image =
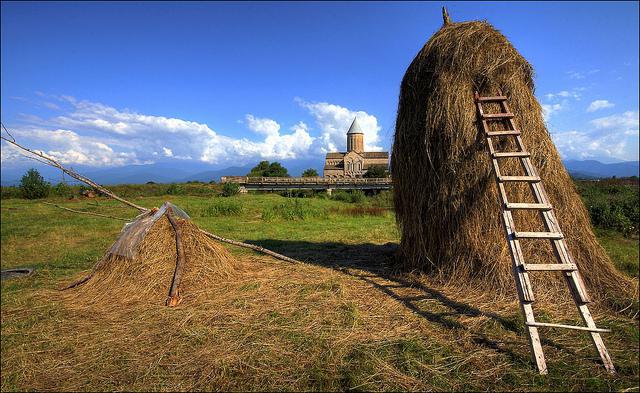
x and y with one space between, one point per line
372 263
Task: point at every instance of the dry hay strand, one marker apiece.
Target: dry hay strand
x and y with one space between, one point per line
147 276
445 197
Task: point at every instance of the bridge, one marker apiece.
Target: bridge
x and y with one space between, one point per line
307 183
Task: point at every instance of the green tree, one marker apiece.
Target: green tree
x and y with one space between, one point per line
310 173
33 186
376 171
266 169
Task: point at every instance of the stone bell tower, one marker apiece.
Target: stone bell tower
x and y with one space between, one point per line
355 138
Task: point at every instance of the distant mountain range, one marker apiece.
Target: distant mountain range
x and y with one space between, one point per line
591 169
182 171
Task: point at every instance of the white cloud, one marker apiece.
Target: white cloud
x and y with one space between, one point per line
628 121
262 126
68 147
95 134
613 136
334 121
574 93
599 104
549 109
581 74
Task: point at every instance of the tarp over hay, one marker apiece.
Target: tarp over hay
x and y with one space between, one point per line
445 197
142 264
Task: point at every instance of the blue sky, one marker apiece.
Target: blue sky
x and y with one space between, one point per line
108 84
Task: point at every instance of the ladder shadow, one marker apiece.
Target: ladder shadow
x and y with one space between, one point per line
371 263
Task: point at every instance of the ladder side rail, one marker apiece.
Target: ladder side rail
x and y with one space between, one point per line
578 290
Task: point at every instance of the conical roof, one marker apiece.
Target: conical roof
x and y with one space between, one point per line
355 127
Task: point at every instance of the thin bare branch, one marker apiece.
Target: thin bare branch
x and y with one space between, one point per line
251 246
7 131
51 162
89 213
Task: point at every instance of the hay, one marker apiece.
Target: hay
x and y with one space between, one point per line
444 194
148 274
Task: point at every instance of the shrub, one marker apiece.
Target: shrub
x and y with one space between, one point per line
33 185
175 189
222 208
10 192
230 189
353 196
62 189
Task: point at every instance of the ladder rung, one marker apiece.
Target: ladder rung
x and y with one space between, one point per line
507 154
538 235
497 116
530 179
492 99
503 133
528 206
549 267
558 325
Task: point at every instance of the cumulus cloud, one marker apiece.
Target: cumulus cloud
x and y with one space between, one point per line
599 104
614 136
549 109
334 121
262 126
627 121
68 147
575 94
95 134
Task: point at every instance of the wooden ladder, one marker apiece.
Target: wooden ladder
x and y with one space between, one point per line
565 263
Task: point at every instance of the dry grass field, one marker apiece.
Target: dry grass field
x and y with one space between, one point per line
342 320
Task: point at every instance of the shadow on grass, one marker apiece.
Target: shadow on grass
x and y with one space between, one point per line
372 263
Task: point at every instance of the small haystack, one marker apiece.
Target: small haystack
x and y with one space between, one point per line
445 197
144 264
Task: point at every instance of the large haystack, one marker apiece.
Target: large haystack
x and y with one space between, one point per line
445 197
141 264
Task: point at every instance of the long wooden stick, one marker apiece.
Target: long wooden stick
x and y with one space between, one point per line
89 213
251 246
51 162
174 291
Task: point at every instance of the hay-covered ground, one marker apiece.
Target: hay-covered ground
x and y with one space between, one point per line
341 321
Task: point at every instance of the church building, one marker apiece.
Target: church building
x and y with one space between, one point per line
355 161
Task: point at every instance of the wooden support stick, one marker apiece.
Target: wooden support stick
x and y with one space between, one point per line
251 246
174 291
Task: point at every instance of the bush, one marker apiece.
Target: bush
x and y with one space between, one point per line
230 189
222 208
10 192
62 189
175 189
33 185
352 196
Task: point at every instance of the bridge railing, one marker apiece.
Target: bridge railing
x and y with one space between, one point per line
302 180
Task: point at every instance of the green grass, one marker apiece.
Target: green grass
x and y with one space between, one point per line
623 250
401 352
